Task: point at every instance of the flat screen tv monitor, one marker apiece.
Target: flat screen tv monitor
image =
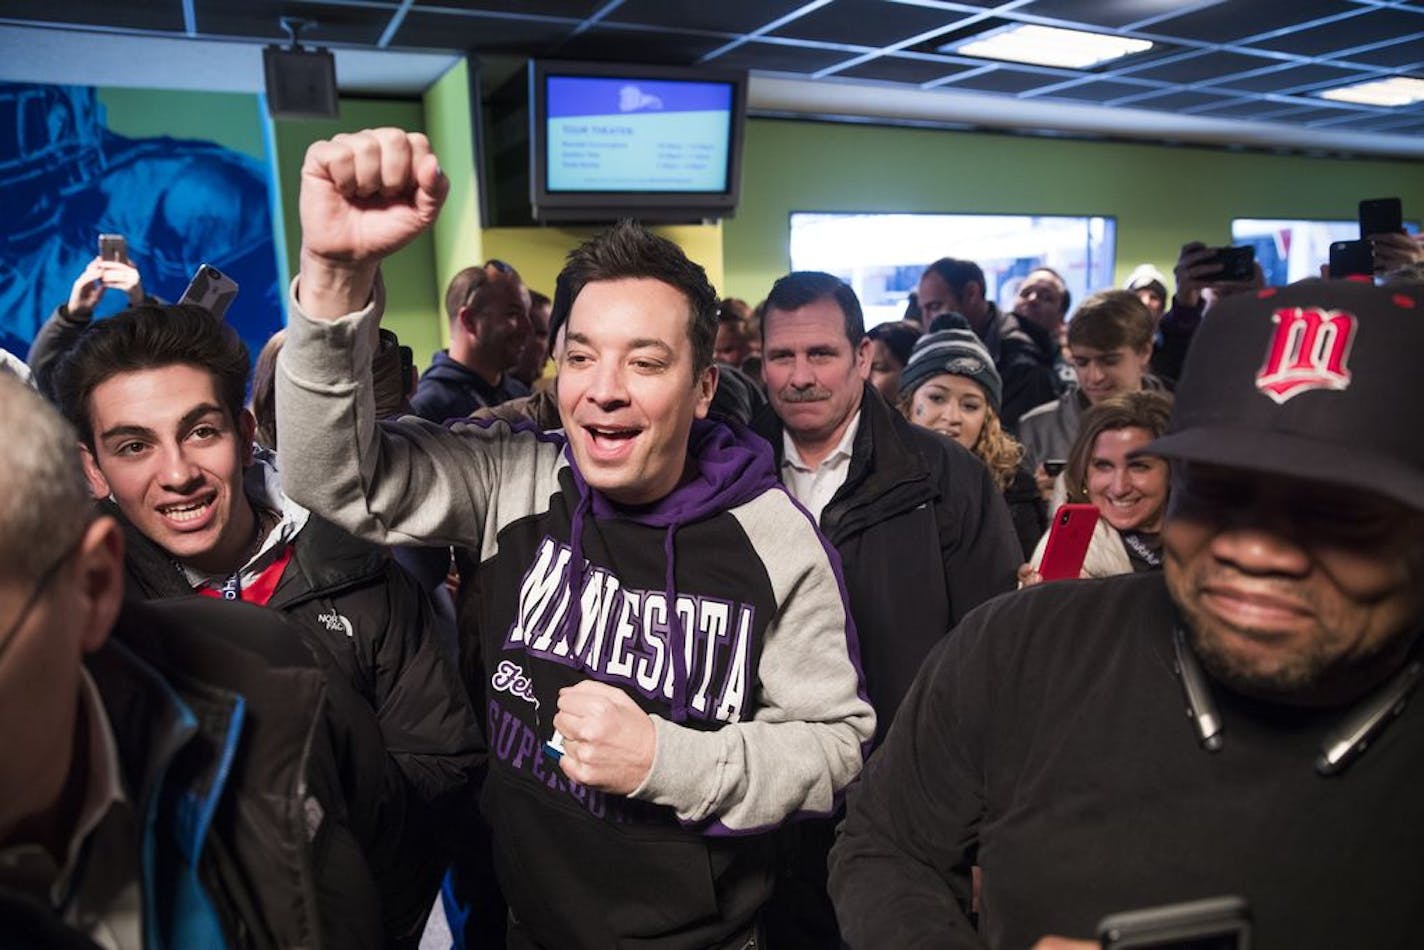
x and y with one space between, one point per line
612 141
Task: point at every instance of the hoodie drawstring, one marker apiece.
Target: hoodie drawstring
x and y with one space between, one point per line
678 633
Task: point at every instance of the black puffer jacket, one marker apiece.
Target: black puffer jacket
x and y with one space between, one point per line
219 706
923 535
372 624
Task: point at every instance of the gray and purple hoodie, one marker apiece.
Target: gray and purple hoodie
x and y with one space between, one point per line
718 609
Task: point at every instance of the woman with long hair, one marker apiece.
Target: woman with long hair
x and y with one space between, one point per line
1128 489
950 385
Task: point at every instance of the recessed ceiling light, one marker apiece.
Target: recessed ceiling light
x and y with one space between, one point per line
1395 91
1049 46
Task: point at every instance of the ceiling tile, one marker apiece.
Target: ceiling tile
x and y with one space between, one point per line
1293 78
638 46
867 22
900 69
569 9
1005 80
331 23
166 15
1101 90
1394 56
1202 67
1249 109
1105 13
1241 18
723 16
1375 26
778 57
1309 114
1177 101
480 33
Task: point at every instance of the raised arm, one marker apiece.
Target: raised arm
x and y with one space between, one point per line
363 197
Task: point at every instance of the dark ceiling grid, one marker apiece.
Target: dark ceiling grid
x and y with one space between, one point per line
1262 60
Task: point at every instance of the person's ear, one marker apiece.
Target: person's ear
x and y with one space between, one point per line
246 432
465 316
98 484
706 388
98 584
864 357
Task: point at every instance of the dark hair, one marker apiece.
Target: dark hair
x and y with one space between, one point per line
1066 303
537 299
467 284
802 287
899 337
264 390
958 274
629 250
1146 409
146 337
1110 319
733 308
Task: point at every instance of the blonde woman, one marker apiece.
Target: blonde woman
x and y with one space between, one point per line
950 385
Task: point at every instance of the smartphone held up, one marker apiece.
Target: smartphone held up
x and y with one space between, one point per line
210 289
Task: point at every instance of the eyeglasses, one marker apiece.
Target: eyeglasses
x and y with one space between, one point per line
40 586
479 280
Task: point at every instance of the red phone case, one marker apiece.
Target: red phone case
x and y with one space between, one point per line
1068 539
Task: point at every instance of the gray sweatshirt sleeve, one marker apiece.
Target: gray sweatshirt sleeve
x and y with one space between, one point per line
400 482
805 742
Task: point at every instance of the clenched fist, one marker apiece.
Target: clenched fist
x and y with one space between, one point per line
364 196
609 741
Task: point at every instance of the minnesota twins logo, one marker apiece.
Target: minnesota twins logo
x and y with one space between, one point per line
1309 350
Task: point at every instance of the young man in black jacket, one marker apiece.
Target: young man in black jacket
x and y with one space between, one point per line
174 775
155 393
1044 740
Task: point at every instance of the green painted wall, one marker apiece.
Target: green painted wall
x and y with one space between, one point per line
412 299
457 237
233 120
1161 196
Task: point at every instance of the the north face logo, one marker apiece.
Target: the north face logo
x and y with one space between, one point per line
336 623
1309 350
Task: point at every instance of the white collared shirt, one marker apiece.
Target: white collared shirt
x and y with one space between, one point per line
97 891
815 487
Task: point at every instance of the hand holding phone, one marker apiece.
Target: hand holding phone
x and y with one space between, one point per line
1068 539
1351 259
1236 264
113 247
1381 216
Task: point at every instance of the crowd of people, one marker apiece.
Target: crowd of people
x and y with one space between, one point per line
649 618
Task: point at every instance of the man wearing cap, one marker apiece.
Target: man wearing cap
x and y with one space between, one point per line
1045 740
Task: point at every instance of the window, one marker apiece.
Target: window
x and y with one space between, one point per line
882 256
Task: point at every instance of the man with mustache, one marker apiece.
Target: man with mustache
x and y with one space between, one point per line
1044 740
922 533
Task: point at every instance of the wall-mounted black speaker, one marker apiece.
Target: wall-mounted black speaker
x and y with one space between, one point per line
301 83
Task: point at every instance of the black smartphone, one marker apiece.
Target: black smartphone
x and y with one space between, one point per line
1217 923
1054 467
211 289
1351 259
1381 216
113 247
1237 264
